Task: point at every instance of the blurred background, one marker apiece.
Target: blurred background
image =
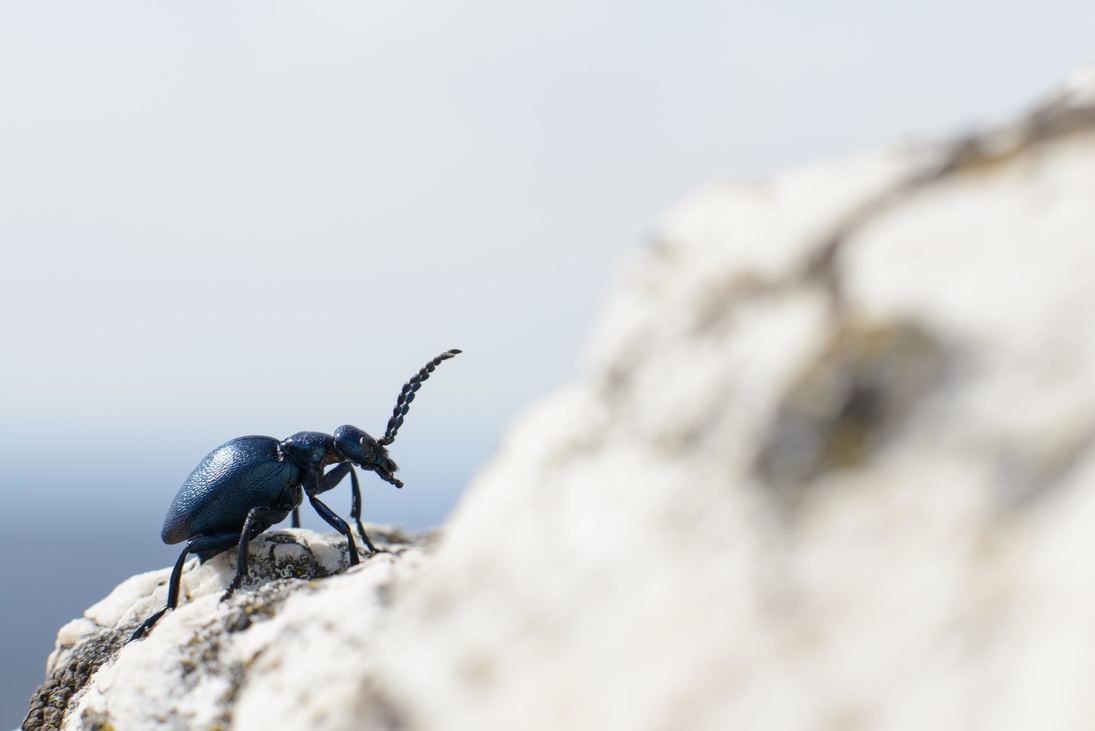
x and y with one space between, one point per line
220 219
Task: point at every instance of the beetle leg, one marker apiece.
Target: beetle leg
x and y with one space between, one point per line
296 518
198 544
250 530
331 480
338 524
355 510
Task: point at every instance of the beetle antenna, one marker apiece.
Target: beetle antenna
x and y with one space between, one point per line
406 396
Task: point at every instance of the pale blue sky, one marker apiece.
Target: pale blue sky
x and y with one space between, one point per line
222 218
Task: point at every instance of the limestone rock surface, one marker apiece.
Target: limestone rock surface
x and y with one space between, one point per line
831 466
271 656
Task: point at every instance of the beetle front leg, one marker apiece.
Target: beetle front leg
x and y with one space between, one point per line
331 480
338 524
355 511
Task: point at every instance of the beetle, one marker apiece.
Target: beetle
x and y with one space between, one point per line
248 484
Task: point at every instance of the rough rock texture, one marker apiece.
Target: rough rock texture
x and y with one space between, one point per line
217 665
832 467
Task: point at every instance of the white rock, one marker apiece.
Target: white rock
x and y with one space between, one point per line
269 657
831 467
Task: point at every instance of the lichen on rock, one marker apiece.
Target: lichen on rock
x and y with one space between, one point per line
189 672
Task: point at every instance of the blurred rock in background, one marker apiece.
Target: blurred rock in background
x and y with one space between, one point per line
832 466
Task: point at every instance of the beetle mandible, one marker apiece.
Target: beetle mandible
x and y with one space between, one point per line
248 484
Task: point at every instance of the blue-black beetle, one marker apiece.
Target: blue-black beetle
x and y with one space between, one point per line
248 484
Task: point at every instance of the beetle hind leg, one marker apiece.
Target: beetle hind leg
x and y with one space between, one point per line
200 545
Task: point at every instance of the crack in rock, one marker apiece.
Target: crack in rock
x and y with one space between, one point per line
1071 111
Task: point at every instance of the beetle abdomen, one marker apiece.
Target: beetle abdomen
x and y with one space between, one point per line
238 475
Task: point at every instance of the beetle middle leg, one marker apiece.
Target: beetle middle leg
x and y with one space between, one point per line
263 516
198 544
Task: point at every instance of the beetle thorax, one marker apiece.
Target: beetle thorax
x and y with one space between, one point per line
310 450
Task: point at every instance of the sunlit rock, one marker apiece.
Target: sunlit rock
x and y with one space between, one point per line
830 466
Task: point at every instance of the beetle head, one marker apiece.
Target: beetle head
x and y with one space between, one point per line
367 453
